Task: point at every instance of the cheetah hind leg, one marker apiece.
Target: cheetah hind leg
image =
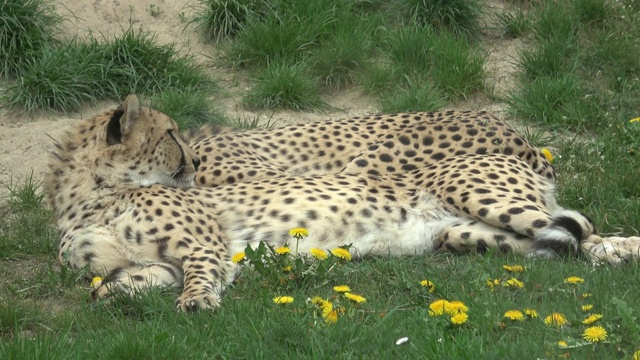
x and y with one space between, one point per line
476 236
135 279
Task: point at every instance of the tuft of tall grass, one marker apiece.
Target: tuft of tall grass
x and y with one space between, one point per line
281 85
342 55
219 19
25 225
556 21
190 108
514 23
461 17
65 77
458 68
548 58
418 96
26 27
593 12
410 47
557 102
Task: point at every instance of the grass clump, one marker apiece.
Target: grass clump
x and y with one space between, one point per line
461 17
457 67
419 96
340 58
190 108
25 225
514 23
552 58
281 85
65 77
26 27
219 19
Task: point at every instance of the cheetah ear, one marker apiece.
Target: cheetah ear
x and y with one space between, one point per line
122 120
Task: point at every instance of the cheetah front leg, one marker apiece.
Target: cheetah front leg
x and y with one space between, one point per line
206 273
136 278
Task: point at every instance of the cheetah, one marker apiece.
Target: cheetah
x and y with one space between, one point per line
121 187
372 145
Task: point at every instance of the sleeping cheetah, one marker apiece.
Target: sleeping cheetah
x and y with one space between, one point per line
373 145
121 187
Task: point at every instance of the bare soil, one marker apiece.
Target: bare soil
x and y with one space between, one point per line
25 140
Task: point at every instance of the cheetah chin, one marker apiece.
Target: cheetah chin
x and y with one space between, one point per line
121 189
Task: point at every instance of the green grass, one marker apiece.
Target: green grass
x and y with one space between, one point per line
26 27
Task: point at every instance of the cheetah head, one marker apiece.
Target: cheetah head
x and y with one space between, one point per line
144 147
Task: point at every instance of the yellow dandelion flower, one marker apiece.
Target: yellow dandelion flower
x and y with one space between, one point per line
429 284
455 307
513 268
354 297
574 280
317 300
587 307
493 283
556 319
547 153
636 355
341 253
514 315
283 250
594 334
438 307
513 283
319 253
96 282
532 313
342 288
329 314
299 232
459 318
287 268
562 343
239 257
282 300
586 295
591 319
632 121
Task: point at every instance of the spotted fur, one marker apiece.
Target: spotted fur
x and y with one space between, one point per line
121 188
372 145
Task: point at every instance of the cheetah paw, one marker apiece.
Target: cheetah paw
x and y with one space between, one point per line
192 303
99 290
614 250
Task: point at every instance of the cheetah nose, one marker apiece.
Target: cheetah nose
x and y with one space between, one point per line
196 162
